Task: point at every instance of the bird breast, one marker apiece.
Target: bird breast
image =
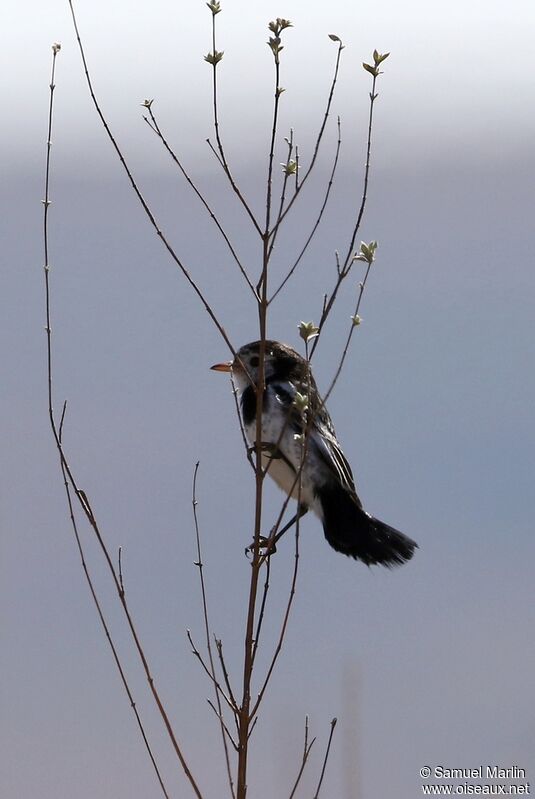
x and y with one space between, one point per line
283 448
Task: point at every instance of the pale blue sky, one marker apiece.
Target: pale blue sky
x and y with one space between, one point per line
428 665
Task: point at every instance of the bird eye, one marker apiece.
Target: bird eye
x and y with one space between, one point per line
254 361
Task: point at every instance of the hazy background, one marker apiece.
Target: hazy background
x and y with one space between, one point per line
429 665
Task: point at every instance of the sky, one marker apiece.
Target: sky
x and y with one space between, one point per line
428 665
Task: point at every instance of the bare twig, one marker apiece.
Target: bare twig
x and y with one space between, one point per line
154 126
269 181
318 141
107 633
84 504
219 647
347 263
354 324
222 157
206 669
286 616
251 728
262 610
325 759
138 193
287 173
240 421
306 751
120 564
58 435
199 564
318 219
224 727
86 508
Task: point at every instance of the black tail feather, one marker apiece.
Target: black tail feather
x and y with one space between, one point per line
352 531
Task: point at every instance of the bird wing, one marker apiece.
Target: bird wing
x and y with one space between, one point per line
321 436
328 449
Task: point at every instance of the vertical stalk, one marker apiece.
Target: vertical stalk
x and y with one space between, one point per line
245 714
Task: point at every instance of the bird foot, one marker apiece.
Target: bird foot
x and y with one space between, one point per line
266 543
266 446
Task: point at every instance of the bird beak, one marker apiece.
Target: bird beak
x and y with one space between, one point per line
222 367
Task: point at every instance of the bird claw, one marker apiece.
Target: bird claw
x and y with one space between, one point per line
264 542
265 446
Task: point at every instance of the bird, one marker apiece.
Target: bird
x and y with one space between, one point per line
301 453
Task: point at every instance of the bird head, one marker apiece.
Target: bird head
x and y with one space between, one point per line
280 362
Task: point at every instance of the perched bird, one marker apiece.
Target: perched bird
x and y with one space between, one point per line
297 433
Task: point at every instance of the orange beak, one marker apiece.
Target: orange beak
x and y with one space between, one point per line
222 367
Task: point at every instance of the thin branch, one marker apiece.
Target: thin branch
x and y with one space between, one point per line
58 435
199 564
120 559
373 98
138 193
244 714
224 727
219 647
215 153
240 421
286 167
84 504
108 635
286 617
272 143
306 751
261 613
107 632
222 157
354 324
347 263
206 669
62 420
318 220
252 726
325 759
86 508
154 126
318 141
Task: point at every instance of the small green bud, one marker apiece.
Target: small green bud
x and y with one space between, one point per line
372 70
56 47
290 168
379 58
308 330
147 103
214 58
214 7
366 252
279 25
301 402
334 38
356 320
284 23
275 44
